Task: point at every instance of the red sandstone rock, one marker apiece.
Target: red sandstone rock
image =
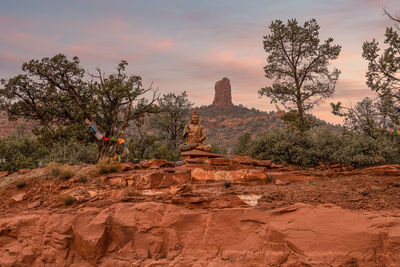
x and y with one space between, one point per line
156 163
243 159
3 174
234 176
383 170
289 176
23 171
264 163
129 166
155 234
281 182
223 95
219 161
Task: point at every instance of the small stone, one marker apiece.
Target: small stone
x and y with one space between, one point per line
34 205
19 197
281 182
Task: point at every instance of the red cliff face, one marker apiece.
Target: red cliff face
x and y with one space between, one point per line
223 96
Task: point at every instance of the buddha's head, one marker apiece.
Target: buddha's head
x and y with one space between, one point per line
195 117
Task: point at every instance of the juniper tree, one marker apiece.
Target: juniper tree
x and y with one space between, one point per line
172 117
298 65
383 75
64 99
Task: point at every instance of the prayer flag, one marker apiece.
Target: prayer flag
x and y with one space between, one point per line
98 136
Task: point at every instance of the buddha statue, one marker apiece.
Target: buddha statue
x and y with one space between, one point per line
194 136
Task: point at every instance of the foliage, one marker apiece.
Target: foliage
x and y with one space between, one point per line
72 153
54 92
161 151
171 120
20 153
370 116
142 140
242 144
307 149
298 65
60 171
365 117
218 148
108 165
383 75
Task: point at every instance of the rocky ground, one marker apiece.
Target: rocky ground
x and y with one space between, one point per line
223 212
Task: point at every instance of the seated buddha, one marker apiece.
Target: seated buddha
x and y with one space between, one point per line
194 136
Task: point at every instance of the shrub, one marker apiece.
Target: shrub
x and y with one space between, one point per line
161 151
82 179
72 153
20 183
243 143
20 153
108 165
227 184
319 144
60 171
67 199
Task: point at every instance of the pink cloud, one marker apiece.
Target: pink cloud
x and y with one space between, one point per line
161 45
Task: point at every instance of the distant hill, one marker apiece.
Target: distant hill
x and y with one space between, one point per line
223 121
224 126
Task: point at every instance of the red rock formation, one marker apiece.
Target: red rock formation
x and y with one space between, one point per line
216 212
157 234
223 96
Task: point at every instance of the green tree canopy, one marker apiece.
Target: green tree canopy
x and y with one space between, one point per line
174 110
383 75
59 93
297 64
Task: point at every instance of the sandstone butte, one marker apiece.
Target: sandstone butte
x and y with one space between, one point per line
223 94
216 212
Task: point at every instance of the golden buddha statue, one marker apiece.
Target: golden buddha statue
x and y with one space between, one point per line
193 134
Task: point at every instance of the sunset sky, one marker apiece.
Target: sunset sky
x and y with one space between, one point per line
189 45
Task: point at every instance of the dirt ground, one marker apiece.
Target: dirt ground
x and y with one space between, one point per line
358 192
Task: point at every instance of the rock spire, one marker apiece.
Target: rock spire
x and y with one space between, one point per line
223 96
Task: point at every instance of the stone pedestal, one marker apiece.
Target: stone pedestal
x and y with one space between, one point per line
198 154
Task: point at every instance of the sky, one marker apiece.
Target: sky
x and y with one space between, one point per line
182 45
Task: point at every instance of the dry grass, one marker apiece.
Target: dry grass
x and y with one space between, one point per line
20 182
60 171
67 199
108 165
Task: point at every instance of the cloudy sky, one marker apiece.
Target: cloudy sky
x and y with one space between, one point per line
189 45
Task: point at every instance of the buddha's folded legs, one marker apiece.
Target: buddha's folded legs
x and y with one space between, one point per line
187 147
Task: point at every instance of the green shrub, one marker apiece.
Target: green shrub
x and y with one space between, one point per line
161 151
20 153
108 165
243 143
72 153
319 144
